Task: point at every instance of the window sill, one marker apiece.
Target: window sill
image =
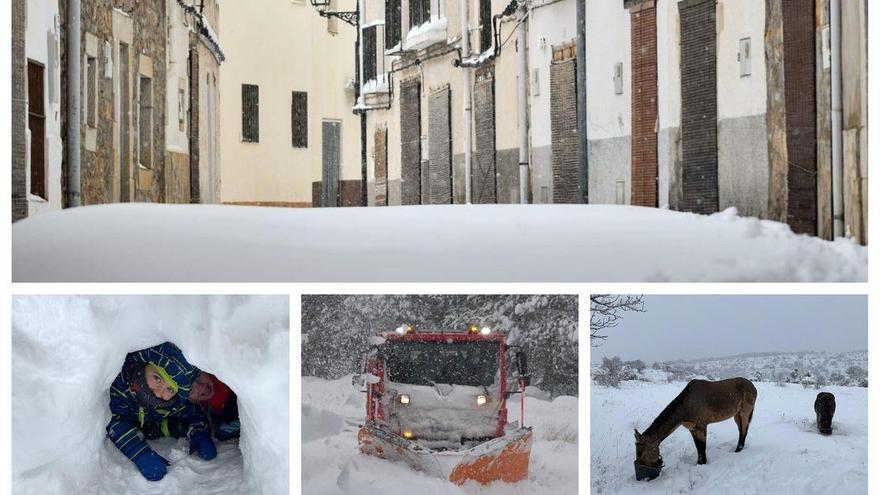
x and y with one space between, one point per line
427 34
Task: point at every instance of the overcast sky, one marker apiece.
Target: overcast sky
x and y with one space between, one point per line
690 327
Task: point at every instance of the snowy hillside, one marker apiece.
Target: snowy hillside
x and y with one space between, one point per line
454 243
783 453
332 464
771 365
66 351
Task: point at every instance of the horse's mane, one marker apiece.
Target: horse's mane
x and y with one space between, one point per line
666 414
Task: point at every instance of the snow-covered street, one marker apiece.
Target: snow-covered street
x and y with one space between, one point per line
332 463
784 453
487 243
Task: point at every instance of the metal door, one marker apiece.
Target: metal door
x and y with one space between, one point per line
330 145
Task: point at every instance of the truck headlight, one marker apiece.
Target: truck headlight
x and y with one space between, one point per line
482 399
407 434
403 398
485 330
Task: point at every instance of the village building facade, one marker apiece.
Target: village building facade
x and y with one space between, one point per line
288 133
39 177
689 108
137 140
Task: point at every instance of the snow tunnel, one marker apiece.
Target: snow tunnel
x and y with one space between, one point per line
66 352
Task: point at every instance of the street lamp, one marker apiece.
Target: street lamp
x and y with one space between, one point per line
322 6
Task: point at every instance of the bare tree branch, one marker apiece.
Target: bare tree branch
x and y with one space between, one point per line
606 311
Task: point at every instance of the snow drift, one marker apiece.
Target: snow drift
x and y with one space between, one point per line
784 452
451 243
66 351
333 465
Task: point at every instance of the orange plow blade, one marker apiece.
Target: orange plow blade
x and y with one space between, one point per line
500 459
509 464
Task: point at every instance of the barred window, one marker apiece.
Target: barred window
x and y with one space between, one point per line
299 118
250 113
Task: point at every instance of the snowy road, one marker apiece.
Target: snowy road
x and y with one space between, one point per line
450 243
332 464
783 454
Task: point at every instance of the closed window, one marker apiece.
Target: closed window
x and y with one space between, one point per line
92 92
250 113
37 126
392 23
145 123
369 36
419 12
485 25
299 117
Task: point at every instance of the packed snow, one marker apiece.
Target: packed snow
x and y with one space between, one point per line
450 243
66 351
784 452
332 411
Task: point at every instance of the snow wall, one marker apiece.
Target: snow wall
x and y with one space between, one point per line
66 351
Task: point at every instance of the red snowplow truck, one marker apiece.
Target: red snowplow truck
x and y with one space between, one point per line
438 401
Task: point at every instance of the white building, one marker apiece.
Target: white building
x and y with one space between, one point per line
44 147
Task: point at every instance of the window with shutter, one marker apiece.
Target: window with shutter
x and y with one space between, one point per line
299 116
37 126
145 122
250 113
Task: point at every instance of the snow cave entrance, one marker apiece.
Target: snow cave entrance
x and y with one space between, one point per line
223 474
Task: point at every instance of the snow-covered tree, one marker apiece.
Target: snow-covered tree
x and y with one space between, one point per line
336 329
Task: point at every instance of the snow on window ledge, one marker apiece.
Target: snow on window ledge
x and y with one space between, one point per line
426 35
377 85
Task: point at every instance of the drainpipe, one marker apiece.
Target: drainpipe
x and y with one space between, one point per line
466 93
74 119
522 88
836 122
581 76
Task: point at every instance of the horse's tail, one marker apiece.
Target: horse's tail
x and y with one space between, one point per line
751 414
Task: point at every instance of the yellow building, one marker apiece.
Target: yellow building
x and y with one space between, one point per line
287 131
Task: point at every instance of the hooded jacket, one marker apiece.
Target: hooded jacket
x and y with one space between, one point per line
132 404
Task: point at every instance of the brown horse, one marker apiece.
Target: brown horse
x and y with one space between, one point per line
700 403
824 407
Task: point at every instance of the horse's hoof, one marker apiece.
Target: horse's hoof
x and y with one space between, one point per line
738 449
701 461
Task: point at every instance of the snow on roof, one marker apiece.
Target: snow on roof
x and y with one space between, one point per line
450 243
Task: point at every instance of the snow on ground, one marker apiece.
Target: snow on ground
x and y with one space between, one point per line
67 350
453 243
332 464
784 452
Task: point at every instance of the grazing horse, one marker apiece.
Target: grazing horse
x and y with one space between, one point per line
700 403
824 407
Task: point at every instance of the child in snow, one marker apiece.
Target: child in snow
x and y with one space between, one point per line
148 399
220 403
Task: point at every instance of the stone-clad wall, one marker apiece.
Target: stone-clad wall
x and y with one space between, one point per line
99 174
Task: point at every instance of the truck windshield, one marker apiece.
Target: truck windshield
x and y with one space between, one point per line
472 363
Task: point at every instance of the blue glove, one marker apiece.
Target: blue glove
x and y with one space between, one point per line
228 430
151 465
201 442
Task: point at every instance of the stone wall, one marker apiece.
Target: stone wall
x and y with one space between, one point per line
19 111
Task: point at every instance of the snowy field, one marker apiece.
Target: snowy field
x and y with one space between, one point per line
784 453
67 350
332 464
494 243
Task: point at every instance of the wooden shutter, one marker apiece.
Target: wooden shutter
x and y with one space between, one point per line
392 23
369 53
37 126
